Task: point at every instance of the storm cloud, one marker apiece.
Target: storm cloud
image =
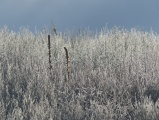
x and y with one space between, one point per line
68 14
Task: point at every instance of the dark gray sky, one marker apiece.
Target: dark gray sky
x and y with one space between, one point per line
75 14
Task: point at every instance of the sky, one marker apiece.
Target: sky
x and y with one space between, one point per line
79 14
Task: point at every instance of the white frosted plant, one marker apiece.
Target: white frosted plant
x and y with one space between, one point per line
112 74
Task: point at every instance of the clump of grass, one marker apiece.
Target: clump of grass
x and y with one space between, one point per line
152 92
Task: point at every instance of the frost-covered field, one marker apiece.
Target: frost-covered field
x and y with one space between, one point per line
114 76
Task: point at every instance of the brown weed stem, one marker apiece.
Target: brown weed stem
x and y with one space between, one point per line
49 47
67 63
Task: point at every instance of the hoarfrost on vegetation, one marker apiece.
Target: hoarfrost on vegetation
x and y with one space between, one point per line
114 75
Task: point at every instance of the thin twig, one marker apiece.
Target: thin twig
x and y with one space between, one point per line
54 30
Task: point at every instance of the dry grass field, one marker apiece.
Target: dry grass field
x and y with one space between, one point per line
113 75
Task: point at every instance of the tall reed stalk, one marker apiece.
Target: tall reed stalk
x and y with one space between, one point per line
67 63
49 47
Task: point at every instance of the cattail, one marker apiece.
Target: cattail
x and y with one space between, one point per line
49 47
67 63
